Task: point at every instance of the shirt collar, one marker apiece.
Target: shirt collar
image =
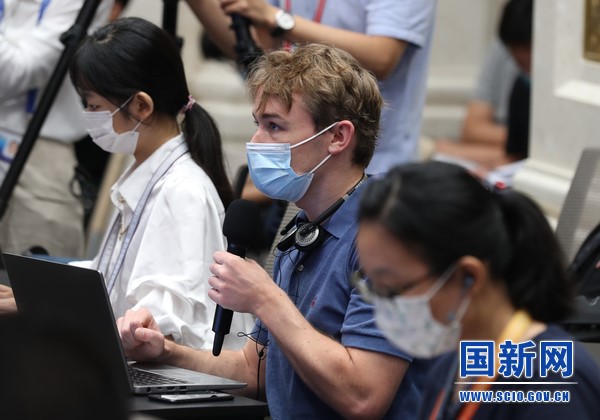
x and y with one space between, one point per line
132 183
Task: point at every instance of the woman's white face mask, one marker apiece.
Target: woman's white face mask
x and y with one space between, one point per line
408 323
99 125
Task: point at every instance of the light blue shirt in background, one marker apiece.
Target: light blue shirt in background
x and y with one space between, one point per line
404 90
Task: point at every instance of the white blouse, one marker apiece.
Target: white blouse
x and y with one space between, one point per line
166 267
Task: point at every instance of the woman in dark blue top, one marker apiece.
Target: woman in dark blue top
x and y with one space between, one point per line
473 276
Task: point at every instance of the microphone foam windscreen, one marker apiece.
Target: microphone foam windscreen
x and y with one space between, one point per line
242 222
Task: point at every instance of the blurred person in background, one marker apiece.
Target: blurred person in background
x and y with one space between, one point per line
44 212
170 202
390 38
496 128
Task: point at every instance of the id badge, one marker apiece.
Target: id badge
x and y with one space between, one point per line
9 144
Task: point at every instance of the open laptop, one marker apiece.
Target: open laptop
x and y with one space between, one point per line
76 298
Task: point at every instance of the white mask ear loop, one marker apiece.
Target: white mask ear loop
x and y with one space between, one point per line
462 307
314 136
120 108
320 164
112 114
311 138
440 282
456 317
136 126
460 312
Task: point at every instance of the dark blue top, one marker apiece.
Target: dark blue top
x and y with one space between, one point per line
319 284
584 400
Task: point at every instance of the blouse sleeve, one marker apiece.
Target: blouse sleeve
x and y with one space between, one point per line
171 270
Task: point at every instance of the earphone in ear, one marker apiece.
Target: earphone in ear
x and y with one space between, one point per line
468 281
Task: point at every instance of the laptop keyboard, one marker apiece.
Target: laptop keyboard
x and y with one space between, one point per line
142 377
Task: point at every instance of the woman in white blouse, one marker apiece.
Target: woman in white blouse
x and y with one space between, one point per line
170 203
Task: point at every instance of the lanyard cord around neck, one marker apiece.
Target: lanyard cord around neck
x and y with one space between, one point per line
329 212
518 324
109 245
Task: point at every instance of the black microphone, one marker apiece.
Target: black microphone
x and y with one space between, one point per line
241 228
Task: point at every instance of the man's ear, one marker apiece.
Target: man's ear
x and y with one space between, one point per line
141 106
343 133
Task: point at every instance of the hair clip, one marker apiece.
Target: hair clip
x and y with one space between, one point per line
189 105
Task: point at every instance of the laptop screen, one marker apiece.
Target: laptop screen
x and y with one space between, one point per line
72 297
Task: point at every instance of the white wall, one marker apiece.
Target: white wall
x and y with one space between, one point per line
188 26
565 102
464 29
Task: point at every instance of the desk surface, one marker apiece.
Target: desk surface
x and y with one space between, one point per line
238 408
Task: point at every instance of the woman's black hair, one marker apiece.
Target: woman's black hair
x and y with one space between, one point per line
132 55
516 23
442 213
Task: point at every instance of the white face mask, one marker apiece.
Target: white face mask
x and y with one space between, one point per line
407 322
99 125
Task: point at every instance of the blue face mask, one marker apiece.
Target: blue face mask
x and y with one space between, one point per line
269 165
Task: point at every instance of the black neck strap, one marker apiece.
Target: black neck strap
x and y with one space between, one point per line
330 210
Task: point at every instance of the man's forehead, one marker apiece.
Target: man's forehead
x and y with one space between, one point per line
272 104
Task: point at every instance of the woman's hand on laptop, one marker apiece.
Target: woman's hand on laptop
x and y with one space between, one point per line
140 335
7 300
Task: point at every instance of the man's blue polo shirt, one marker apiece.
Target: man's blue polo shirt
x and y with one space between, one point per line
319 284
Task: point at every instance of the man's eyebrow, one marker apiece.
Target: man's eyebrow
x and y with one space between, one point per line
267 115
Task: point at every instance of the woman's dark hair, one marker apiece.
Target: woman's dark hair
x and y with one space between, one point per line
516 23
442 213
132 55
